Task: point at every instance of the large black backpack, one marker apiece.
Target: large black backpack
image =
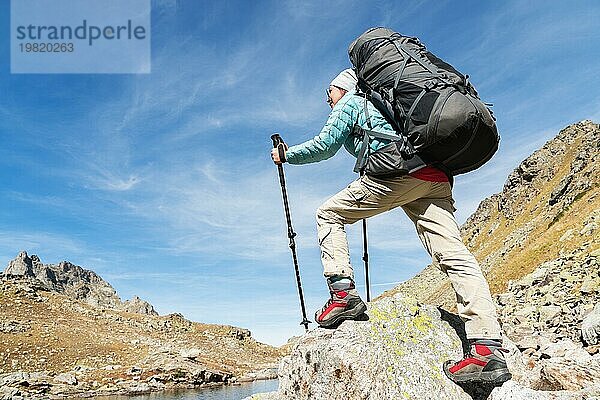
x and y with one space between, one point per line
433 107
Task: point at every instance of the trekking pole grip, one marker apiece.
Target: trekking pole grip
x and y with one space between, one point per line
276 140
279 144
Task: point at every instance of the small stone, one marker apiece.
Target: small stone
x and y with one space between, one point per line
590 285
567 275
589 229
142 387
528 341
190 353
567 235
548 313
134 370
111 367
593 349
529 352
504 298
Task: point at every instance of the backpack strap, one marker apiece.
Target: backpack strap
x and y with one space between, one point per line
408 55
402 48
368 134
361 160
367 116
364 146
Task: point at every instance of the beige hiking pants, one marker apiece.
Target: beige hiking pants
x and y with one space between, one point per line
431 207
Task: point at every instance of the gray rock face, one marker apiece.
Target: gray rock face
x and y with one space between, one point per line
72 280
22 265
66 278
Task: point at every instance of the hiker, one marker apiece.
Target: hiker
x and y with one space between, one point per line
425 195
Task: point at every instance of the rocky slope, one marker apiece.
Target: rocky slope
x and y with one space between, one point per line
56 340
538 242
549 206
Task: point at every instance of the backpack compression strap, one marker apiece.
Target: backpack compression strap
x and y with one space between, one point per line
408 55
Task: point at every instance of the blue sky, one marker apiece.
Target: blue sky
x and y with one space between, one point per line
162 183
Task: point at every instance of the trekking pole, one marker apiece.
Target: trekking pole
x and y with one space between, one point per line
277 140
365 249
366 259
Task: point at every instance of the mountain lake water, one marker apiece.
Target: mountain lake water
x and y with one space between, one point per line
227 392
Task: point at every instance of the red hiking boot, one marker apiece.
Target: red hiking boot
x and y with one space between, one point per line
345 303
485 363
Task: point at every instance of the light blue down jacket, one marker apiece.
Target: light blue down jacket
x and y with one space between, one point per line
348 112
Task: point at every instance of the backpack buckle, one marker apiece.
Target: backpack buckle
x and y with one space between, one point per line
429 85
407 151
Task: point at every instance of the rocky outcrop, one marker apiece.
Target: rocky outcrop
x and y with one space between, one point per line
401 344
48 385
398 354
21 265
575 148
139 306
550 315
72 280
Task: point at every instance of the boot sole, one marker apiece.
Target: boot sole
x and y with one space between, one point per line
496 377
351 314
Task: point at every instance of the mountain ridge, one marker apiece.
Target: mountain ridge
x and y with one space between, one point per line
75 281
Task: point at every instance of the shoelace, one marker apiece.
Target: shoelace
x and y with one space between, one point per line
329 302
469 354
465 356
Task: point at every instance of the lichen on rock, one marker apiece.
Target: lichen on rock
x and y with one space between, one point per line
397 354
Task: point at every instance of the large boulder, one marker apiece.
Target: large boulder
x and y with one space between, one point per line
397 354
590 327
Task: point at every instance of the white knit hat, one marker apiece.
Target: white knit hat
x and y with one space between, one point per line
345 80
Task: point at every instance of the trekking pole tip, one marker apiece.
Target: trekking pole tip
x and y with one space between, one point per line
305 322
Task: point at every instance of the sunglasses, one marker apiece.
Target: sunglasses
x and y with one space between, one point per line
328 97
